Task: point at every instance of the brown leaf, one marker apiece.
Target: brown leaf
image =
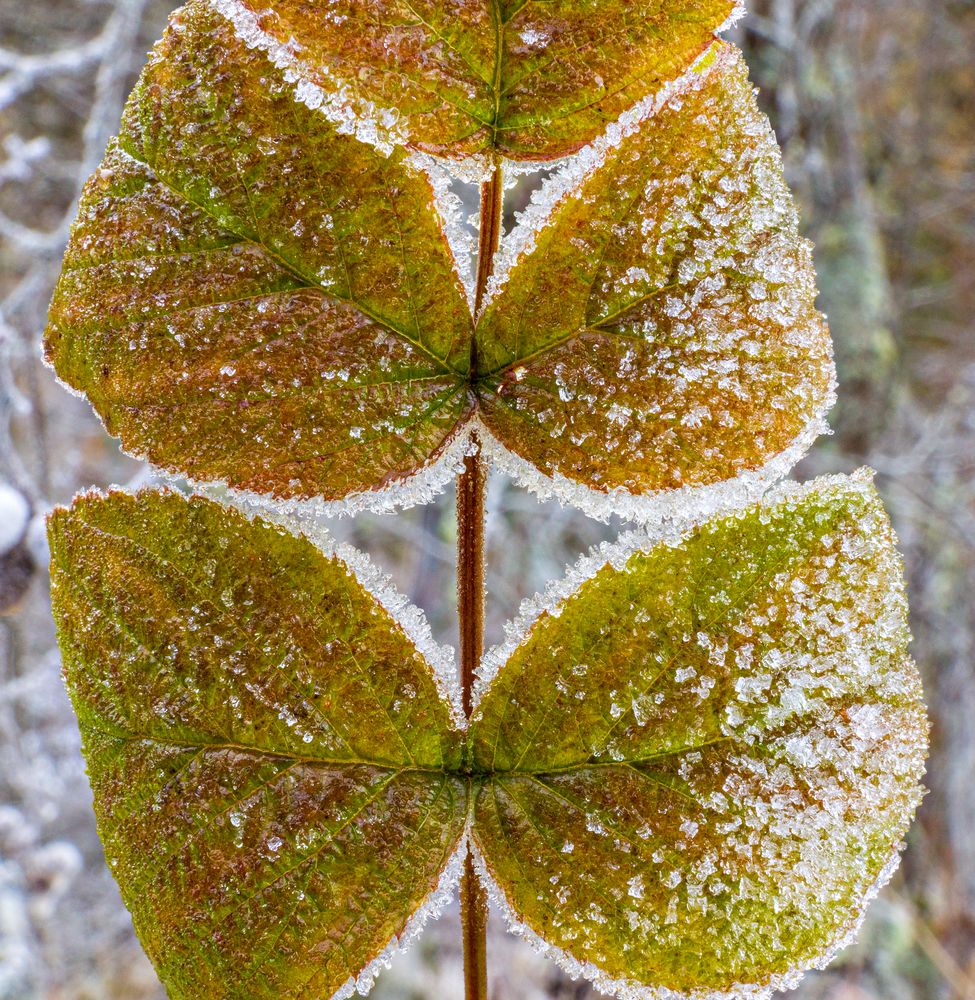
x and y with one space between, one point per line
525 79
270 757
250 296
662 333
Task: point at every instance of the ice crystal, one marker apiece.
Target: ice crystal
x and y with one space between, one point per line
379 127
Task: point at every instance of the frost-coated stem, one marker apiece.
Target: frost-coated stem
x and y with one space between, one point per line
470 611
470 569
471 485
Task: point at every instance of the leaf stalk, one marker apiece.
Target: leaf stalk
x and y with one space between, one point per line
471 489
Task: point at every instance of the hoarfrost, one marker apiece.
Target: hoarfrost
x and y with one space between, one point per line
378 127
461 238
430 909
688 503
417 489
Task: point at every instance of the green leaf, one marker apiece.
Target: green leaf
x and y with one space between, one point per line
660 330
529 80
252 297
270 756
704 759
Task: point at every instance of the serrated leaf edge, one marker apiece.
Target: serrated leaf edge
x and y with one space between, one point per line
418 488
430 909
382 135
680 504
432 479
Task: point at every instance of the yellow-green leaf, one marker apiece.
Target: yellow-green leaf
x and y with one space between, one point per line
272 763
249 295
660 330
703 760
525 79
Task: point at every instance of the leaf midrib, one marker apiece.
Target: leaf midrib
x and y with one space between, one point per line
473 774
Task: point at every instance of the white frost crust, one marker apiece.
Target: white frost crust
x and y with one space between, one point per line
419 488
461 241
628 989
551 600
430 908
578 168
688 503
737 13
679 505
378 127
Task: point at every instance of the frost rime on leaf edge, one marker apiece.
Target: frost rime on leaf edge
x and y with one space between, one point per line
379 127
430 909
679 505
566 181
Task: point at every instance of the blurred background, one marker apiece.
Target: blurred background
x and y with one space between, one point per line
874 104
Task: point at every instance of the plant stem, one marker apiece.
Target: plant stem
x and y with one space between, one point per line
470 611
470 569
471 486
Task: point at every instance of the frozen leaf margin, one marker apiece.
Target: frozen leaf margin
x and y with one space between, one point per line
250 296
707 752
653 332
271 760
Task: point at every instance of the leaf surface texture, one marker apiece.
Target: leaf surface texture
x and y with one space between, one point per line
705 759
272 764
252 297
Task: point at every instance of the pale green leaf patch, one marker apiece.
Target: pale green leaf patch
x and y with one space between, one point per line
706 754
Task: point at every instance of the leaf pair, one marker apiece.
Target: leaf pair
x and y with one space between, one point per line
688 773
253 295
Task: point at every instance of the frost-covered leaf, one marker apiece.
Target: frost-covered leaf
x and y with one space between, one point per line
268 751
660 329
705 758
253 296
250 296
530 80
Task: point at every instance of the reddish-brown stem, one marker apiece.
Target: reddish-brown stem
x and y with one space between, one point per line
470 569
470 612
471 485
